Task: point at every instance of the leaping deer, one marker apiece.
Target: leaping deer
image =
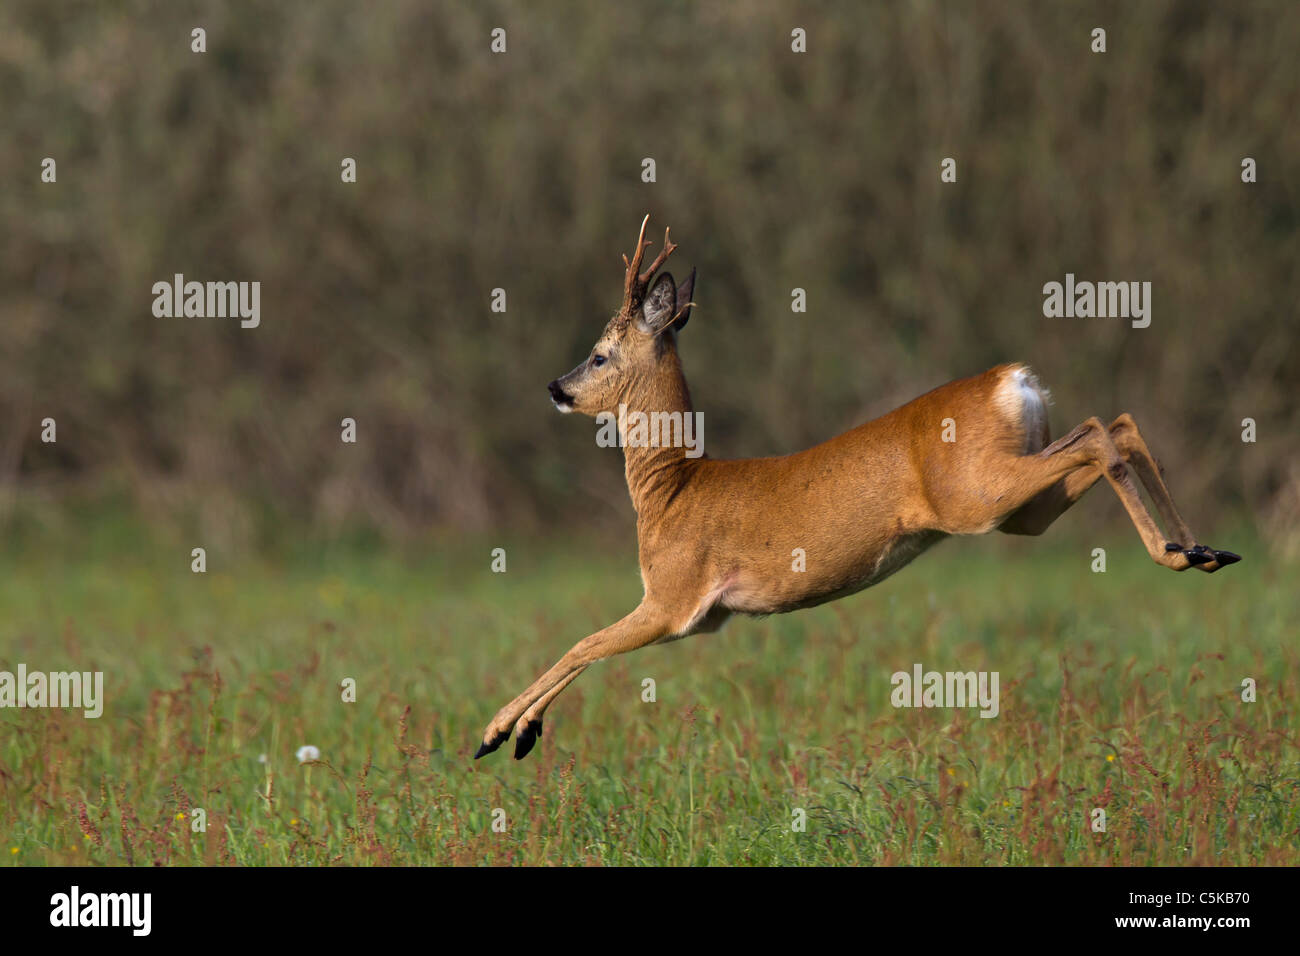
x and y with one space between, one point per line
716 537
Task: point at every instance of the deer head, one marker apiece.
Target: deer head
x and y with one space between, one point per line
635 341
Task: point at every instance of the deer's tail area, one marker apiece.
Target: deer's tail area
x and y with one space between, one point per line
1023 399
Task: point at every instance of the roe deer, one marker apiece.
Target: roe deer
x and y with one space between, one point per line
716 537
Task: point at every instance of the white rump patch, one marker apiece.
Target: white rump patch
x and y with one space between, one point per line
1023 399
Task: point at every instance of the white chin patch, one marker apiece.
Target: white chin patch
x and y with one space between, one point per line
565 407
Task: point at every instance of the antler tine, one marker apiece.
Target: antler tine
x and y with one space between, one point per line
630 280
634 283
664 253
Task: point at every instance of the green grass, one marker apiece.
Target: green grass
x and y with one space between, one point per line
1118 690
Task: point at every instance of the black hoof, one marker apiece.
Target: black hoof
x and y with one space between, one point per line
1170 546
1226 557
1197 557
527 738
490 745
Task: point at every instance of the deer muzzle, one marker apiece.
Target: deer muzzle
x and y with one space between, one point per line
562 399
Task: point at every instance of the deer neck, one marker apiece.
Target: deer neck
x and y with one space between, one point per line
657 406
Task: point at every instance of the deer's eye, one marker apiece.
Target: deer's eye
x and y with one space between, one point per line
598 360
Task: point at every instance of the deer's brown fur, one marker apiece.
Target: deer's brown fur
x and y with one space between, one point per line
718 537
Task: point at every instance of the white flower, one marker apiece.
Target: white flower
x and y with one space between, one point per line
308 752
261 758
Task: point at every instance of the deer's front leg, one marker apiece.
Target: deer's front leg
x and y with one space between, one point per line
643 626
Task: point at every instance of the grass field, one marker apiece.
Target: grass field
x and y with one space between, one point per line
1119 690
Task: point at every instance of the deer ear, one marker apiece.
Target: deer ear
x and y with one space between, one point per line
684 302
660 305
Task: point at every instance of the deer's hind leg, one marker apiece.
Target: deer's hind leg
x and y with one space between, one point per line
1123 438
1124 432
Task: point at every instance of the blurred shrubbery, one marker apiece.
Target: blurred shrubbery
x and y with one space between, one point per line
522 171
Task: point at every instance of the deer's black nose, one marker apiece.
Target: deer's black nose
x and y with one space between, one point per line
558 395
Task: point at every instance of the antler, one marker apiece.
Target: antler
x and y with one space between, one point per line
634 283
